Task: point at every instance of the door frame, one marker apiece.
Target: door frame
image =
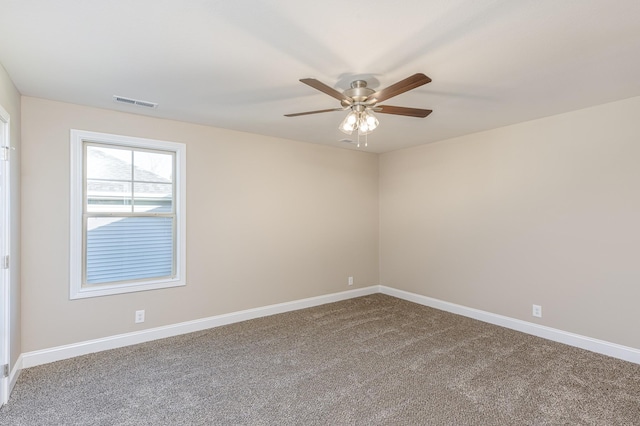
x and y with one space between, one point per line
5 247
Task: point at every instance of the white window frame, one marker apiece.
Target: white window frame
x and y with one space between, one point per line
77 290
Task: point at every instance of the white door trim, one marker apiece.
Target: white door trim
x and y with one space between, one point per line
5 278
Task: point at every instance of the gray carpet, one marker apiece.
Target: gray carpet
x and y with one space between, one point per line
374 360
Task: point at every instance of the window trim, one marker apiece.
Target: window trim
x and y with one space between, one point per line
76 289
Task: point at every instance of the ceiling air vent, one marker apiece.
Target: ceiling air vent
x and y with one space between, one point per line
137 102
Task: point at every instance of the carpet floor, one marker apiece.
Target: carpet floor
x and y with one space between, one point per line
373 360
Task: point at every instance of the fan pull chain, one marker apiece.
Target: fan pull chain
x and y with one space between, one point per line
366 139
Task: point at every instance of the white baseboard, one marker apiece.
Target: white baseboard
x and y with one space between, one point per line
44 356
31 359
625 353
15 373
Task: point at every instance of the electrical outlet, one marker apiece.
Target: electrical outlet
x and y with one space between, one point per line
139 316
537 311
350 282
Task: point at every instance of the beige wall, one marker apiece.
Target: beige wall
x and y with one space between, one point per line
545 212
269 221
10 101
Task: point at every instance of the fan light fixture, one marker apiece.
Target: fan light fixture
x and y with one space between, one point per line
363 121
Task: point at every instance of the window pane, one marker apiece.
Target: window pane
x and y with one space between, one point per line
108 163
128 248
108 196
153 197
153 167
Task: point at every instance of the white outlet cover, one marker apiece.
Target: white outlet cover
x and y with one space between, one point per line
537 311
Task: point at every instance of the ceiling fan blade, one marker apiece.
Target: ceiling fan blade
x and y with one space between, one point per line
318 85
402 86
295 114
411 112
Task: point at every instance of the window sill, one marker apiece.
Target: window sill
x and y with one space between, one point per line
107 290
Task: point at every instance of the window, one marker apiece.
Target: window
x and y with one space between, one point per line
127 214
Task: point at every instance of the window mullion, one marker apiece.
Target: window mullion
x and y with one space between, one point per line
133 158
133 214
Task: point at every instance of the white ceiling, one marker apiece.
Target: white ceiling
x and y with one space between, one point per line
236 64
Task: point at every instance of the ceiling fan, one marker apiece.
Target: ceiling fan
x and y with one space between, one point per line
363 101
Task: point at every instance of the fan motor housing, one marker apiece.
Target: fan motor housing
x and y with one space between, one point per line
359 91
